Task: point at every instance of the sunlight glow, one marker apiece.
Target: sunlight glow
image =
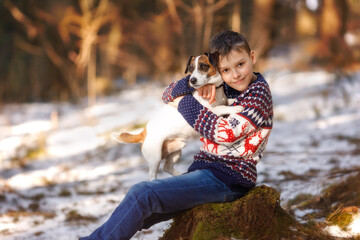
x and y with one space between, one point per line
354 227
313 5
72 141
31 127
8 146
337 120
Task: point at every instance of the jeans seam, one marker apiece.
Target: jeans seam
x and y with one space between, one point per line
215 183
123 216
225 187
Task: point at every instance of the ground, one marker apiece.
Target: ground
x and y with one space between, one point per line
61 173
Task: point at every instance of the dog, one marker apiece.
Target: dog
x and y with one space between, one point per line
166 133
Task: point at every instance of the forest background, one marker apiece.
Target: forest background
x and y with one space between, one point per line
73 72
65 50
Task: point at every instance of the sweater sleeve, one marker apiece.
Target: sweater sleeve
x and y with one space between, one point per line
235 127
177 89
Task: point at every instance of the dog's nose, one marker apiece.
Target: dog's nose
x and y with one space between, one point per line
193 80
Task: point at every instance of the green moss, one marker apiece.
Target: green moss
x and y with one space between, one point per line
36 153
219 209
206 230
257 215
301 199
341 219
215 228
39 151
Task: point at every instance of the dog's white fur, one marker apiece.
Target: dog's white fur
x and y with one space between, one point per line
165 134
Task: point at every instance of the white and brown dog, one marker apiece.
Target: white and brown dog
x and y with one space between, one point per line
165 134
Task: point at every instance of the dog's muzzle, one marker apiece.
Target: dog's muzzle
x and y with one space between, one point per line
193 80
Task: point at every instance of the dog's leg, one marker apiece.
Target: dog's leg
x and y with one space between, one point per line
151 150
169 163
153 169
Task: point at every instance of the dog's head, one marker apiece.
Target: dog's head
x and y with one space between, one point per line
203 70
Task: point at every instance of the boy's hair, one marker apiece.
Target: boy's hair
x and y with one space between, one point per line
223 42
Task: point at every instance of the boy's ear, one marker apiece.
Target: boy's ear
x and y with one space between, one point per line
188 64
252 56
213 58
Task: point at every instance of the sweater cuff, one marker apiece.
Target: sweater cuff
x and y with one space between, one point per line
198 117
177 89
182 88
189 108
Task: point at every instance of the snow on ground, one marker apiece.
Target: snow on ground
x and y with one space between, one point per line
61 173
353 228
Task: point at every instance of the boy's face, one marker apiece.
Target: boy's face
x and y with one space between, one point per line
236 69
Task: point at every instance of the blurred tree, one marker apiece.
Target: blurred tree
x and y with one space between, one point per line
50 48
202 13
40 38
333 22
306 24
262 26
236 17
86 25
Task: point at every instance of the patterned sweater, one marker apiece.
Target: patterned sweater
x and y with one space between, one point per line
233 144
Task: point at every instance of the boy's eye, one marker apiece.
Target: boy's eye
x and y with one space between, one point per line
240 64
225 70
204 67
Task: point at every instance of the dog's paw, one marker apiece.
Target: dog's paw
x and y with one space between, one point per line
226 110
176 173
221 110
238 109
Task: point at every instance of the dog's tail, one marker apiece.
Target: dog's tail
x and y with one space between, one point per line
131 138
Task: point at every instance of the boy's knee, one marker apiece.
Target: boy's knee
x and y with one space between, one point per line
144 195
137 189
141 190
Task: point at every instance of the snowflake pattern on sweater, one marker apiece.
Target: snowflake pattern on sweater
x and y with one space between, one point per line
233 144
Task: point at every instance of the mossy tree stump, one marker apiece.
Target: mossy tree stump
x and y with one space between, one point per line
257 215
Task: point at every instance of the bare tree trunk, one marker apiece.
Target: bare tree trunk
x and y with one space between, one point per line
236 17
199 22
91 76
209 14
262 26
179 30
34 79
333 20
178 26
203 14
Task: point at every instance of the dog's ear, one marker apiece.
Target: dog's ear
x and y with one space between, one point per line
188 64
213 58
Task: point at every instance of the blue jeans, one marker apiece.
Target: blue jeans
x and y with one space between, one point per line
148 203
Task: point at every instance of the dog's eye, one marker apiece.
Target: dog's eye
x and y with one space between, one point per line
191 68
204 67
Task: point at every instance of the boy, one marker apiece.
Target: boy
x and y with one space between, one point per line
225 167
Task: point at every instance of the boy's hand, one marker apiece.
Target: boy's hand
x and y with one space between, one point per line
175 102
207 92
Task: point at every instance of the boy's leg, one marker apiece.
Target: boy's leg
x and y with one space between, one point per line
158 198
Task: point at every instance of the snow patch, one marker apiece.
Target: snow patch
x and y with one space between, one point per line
64 143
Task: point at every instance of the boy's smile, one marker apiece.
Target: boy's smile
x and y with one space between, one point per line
236 69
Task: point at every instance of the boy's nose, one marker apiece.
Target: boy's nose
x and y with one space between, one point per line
236 74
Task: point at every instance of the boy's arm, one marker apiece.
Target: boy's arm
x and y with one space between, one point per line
176 89
257 105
